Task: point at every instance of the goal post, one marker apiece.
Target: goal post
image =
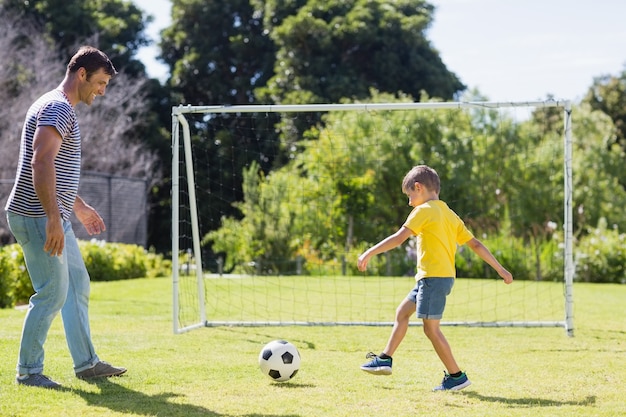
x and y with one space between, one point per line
332 294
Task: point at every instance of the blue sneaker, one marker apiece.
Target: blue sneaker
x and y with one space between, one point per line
377 366
453 384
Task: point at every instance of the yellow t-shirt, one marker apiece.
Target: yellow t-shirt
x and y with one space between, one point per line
438 230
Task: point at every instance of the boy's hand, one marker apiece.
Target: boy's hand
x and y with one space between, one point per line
361 263
506 276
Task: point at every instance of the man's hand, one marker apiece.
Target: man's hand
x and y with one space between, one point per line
55 237
89 217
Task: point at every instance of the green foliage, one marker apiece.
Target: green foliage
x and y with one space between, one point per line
104 262
264 239
601 255
340 192
331 50
608 94
342 185
538 260
599 178
115 26
14 281
218 51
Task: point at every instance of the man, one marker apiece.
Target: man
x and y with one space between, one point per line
44 196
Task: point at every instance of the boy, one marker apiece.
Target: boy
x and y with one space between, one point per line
438 231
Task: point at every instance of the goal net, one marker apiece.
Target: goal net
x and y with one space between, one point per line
271 206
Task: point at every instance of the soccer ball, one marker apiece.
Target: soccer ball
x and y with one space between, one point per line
279 360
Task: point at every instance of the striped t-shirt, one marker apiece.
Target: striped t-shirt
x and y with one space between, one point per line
51 109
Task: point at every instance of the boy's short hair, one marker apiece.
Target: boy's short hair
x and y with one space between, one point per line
423 174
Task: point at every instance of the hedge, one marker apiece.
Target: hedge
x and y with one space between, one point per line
104 261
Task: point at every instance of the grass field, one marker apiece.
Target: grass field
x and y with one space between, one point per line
214 372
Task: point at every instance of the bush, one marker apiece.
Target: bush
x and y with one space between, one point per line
600 256
15 285
113 261
539 259
104 261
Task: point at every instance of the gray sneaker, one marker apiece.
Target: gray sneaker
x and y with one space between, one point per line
100 370
38 380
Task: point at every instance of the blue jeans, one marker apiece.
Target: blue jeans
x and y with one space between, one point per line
60 284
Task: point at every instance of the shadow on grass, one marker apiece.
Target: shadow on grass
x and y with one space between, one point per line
291 385
123 400
530 402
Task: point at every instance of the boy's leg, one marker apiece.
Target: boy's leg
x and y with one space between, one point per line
431 303
453 379
382 366
433 331
400 326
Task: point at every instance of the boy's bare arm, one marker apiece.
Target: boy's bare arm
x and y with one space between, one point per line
384 245
484 253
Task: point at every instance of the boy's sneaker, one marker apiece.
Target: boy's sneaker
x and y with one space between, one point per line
100 370
377 365
453 384
37 380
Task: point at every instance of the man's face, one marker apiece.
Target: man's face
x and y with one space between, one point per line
93 86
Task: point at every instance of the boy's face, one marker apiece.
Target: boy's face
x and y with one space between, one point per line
420 195
416 195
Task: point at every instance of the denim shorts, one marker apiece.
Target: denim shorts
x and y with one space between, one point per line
429 295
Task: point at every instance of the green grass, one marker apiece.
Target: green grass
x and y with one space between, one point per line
214 372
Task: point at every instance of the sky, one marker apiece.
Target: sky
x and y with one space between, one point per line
510 50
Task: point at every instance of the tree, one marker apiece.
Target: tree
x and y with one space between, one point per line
219 53
608 94
331 50
115 26
341 189
30 68
599 175
217 50
22 75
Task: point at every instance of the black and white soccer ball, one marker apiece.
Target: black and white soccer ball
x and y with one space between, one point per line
279 360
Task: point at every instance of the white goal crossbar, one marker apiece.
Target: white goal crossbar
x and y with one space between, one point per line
179 122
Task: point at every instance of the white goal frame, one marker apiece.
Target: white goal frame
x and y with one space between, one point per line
179 122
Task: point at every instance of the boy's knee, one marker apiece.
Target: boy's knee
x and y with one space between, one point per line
405 310
431 329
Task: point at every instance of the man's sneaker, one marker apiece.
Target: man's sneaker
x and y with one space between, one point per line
100 370
377 365
453 384
37 380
